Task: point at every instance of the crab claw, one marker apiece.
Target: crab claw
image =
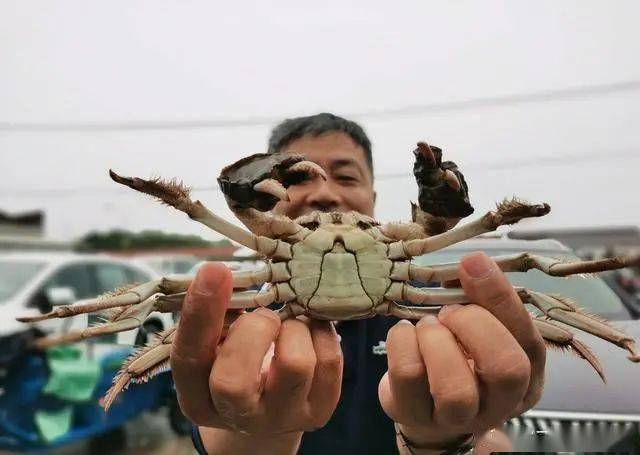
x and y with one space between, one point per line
310 168
272 187
443 191
261 180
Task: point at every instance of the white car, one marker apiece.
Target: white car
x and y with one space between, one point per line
33 283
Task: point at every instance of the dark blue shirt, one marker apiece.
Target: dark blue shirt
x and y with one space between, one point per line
358 425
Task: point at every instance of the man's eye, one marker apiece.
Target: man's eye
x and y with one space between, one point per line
346 178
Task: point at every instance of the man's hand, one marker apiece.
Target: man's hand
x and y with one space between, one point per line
469 369
265 378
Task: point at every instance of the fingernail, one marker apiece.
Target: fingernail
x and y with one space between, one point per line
446 309
478 265
201 287
429 320
267 313
404 321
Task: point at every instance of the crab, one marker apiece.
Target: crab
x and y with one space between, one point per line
338 266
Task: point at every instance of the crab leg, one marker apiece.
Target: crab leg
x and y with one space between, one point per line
557 336
153 358
125 297
142 365
406 231
399 291
404 311
270 225
553 307
174 289
177 195
508 212
564 310
133 316
121 320
253 299
521 262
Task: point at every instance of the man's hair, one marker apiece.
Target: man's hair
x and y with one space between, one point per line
315 125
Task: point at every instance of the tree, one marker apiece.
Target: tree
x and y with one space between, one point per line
120 240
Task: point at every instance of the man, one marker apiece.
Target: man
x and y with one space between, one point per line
279 387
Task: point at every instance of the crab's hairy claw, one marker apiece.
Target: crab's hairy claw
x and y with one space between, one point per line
564 310
171 192
399 291
177 196
272 187
508 212
556 336
120 320
142 365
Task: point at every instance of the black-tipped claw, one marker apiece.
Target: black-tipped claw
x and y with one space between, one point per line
242 183
443 192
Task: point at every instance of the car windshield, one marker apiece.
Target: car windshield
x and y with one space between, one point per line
592 294
14 275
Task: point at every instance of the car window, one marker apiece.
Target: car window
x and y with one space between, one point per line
14 276
136 276
592 294
113 276
78 277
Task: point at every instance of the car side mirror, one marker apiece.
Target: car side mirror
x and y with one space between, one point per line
60 296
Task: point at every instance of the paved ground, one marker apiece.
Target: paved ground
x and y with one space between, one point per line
150 434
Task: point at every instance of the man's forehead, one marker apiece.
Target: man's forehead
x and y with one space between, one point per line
334 149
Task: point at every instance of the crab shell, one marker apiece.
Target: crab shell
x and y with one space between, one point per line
340 270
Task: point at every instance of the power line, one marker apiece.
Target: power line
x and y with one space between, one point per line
538 161
565 94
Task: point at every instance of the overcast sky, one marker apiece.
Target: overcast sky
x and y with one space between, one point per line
537 99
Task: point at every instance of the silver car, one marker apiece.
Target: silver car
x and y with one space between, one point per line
577 411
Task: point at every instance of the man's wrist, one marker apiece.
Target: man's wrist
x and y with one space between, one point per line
219 441
414 442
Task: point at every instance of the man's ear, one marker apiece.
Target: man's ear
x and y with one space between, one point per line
375 197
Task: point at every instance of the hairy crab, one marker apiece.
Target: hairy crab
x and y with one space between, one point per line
338 266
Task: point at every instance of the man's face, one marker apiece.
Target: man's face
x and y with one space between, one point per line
349 185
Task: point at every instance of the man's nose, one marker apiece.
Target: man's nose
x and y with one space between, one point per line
323 196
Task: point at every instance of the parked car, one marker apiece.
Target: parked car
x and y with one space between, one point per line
630 300
33 283
577 411
167 264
